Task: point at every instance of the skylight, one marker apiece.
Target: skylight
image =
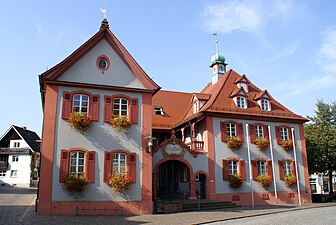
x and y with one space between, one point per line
158 110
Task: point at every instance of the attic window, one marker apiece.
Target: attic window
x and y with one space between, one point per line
241 102
103 63
265 105
158 110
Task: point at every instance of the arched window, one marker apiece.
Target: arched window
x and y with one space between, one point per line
80 103
120 106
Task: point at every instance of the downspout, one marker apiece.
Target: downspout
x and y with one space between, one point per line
296 167
249 162
273 170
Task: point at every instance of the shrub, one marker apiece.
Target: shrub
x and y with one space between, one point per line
234 142
119 181
75 184
80 121
261 143
235 181
287 145
265 180
290 179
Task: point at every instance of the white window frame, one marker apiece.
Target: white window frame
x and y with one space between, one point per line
233 167
262 167
265 105
14 173
195 107
231 130
288 168
77 162
2 173
117 107
158 110
117 162
80 103
259 131
15 158
284 133
241 102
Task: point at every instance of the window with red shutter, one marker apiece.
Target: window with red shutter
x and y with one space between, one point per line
134 110
242 169
293 168
132 167
281 169
265 130
223 131
278 135
225 169
90 166
107 109
66 106
107 166
64 165
269 168
240 131
94 112
254 169
252 133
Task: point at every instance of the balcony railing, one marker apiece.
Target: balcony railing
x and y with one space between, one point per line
14 151
196 145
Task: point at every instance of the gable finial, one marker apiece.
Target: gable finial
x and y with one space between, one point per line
216 34
104 10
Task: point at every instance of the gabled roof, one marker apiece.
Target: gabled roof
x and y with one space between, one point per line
261 95
175 106
242 79
104 33
201 96
32 139
239 92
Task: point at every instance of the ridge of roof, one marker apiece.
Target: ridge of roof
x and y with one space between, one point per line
104 33
177 92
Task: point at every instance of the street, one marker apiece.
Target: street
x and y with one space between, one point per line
324 215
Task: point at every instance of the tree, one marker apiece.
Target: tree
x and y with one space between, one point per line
320 136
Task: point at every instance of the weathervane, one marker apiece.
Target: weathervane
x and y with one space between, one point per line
104 10
216 41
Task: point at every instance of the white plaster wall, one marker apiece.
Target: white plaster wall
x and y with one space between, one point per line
86 71
223 152
100 137
23 171
23 143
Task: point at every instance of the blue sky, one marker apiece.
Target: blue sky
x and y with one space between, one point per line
286 47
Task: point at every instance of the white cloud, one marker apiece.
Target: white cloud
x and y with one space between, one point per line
41 33
246 15
326 57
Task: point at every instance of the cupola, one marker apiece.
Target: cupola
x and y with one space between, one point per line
218 64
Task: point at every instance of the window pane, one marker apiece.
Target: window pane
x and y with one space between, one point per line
124 101
76 97
72 169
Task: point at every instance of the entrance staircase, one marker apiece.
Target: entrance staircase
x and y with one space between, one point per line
203 205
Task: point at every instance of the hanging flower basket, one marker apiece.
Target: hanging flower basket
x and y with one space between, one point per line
290 179
262 143
120 122
264 180
80 121
287 145
119 181
75 184
235 181
234 142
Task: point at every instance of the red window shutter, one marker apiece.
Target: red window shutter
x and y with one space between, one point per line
265 130
90 166
66 107
269 169
225 169
254 169
107 108
242 169
95 107
132 166
252 133
240 132
293 168
107 166
64 165
278 135
281 170
290 133
223 131
135 110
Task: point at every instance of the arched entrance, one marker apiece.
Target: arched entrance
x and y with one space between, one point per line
173 180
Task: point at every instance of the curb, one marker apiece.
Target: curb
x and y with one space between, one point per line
266 213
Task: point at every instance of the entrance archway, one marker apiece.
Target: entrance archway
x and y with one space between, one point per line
173 180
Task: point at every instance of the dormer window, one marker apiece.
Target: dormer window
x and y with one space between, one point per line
158 110
243 85
265 105
196 107
241 102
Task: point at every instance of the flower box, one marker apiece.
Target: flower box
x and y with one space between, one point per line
75 184
265 180
119 181
234 142
262 143
120 122
290 179
235 181
80 121
287 145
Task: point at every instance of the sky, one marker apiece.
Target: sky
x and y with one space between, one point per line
287 47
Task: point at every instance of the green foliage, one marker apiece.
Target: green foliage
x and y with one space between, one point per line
320 137
235 181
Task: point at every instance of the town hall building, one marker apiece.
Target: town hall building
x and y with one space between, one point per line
230 142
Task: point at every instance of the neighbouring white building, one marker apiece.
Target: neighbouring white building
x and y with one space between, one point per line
319 183
19 157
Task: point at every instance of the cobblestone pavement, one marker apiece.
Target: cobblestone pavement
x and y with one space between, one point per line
17 206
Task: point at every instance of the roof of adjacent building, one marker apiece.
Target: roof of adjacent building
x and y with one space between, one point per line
219 100
32 139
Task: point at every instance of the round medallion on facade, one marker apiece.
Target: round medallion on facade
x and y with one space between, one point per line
103 63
